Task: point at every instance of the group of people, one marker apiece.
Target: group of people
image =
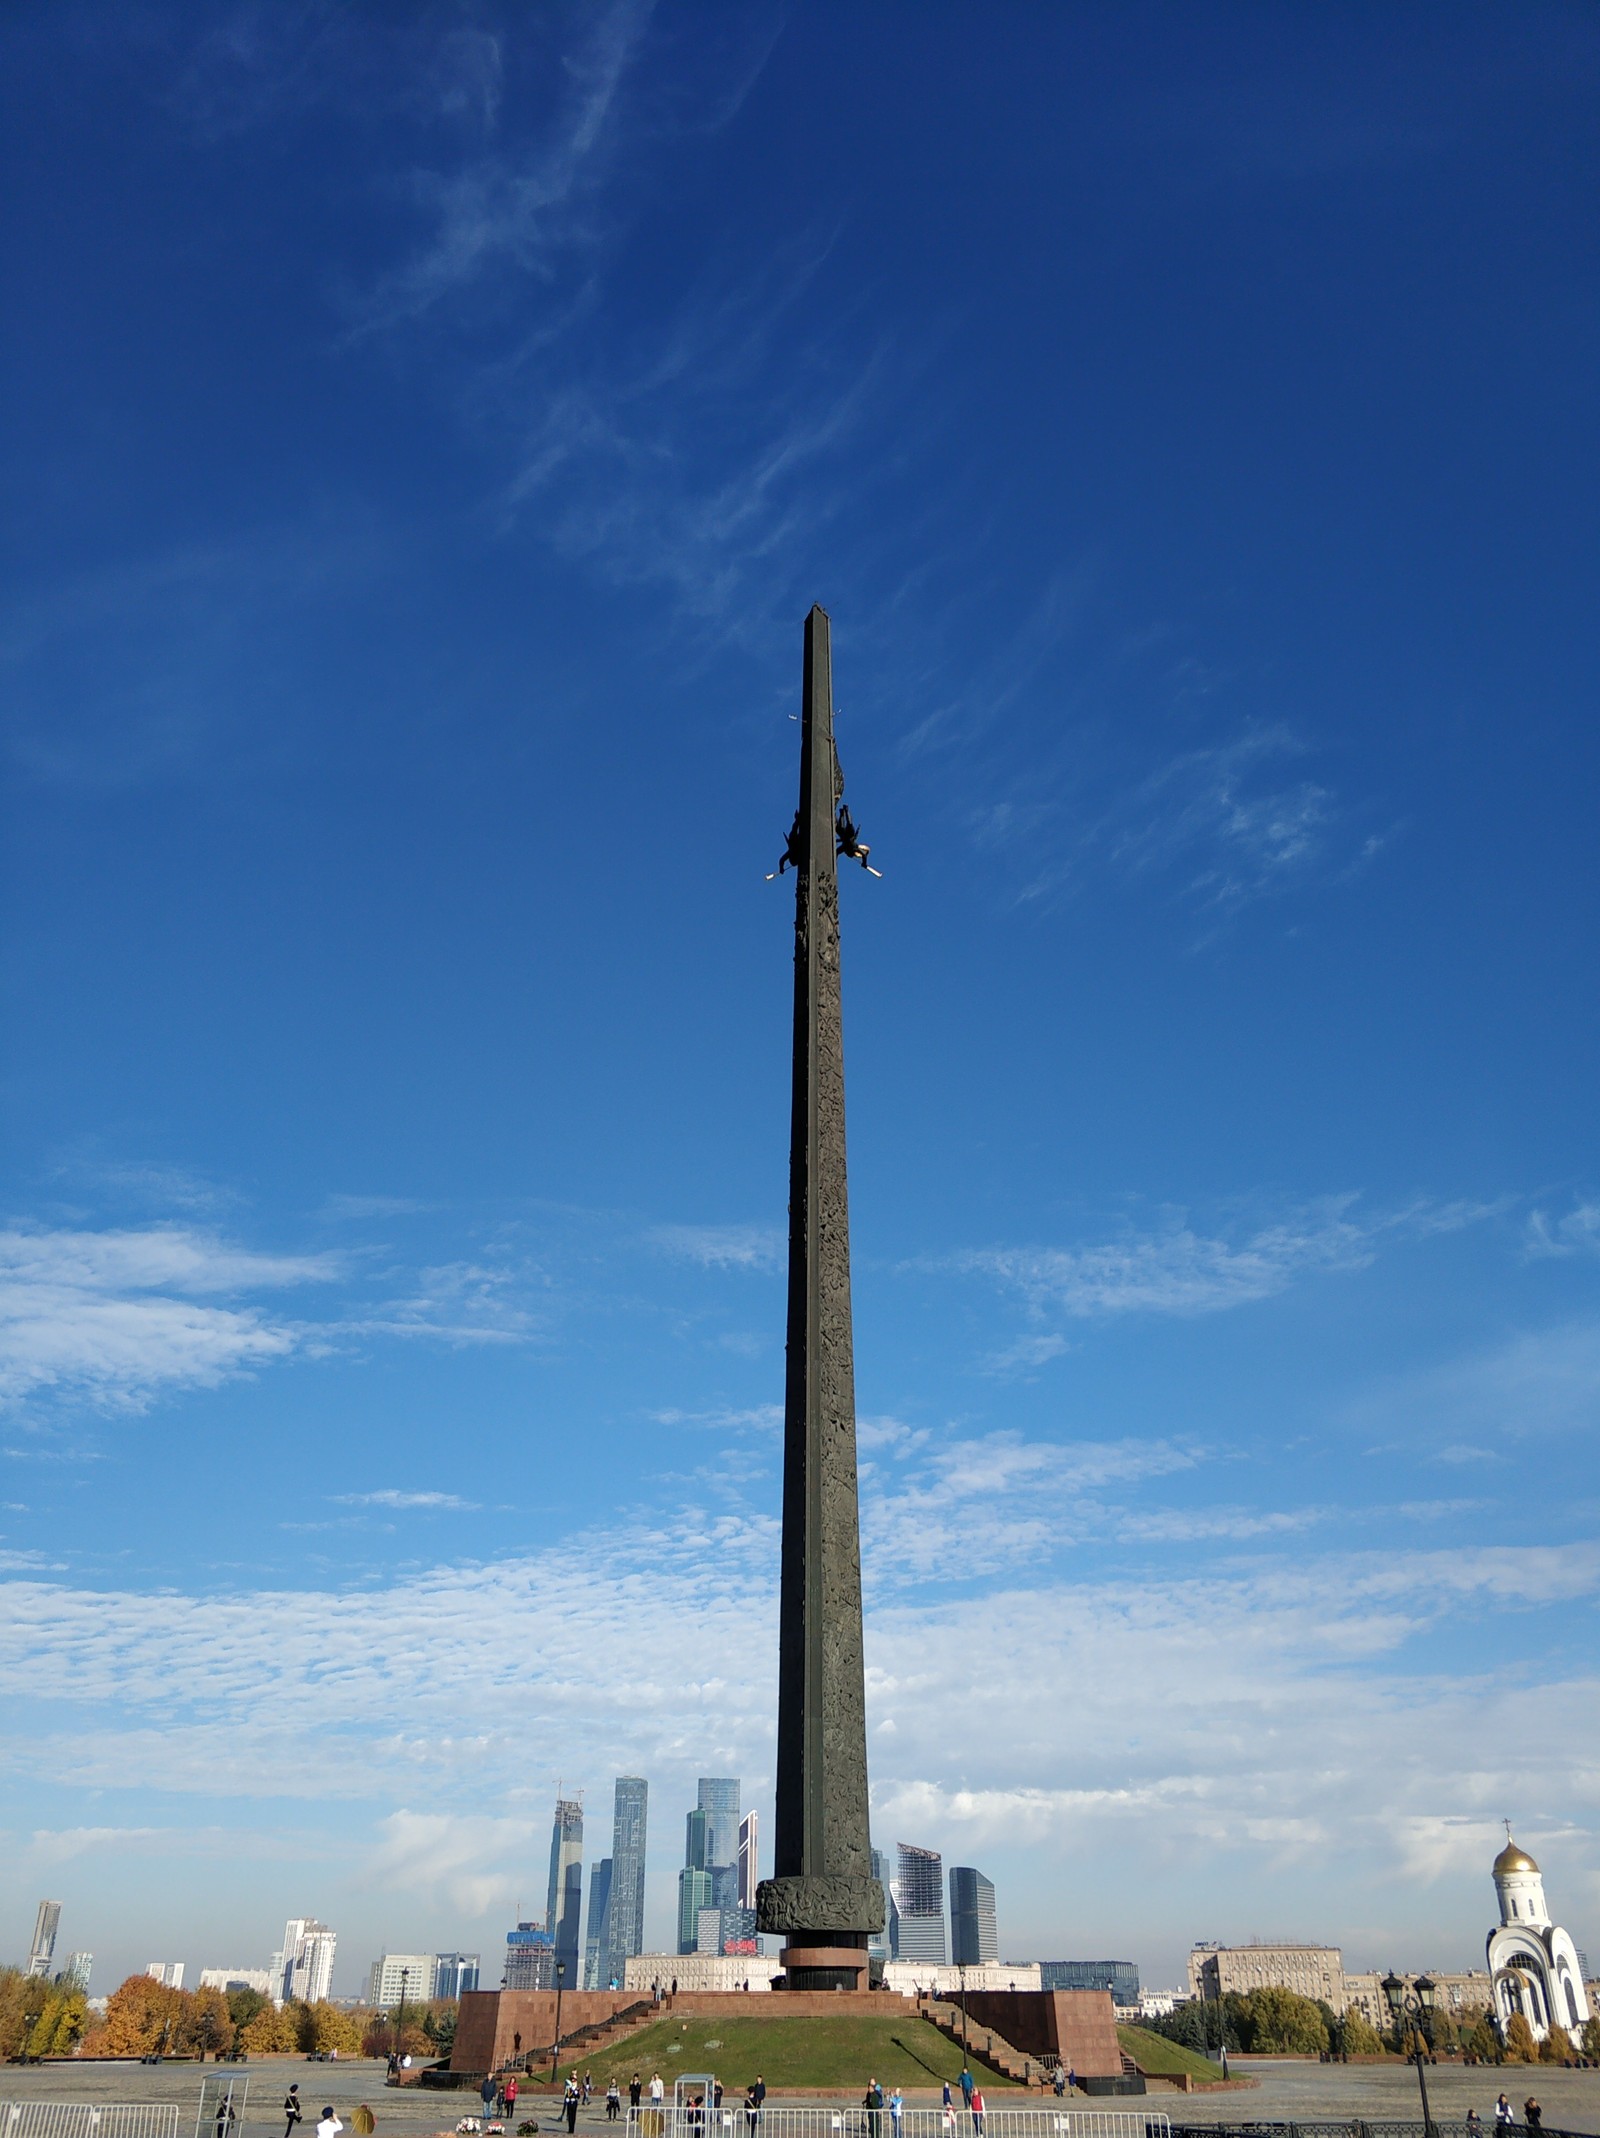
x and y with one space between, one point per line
1505 2116
328 2124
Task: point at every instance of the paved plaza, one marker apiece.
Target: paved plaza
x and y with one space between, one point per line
1289 2091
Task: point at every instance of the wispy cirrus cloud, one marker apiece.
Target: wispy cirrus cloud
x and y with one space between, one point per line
1575 1232
392 1497
721 1246
117 1316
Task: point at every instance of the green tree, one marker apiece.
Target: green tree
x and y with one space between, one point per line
63 2015
243 2006
1358 2036
1520 2047
1481 2040
1591 2040
1283 2023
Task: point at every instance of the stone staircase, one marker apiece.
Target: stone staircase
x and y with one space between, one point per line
591 2040
984 2044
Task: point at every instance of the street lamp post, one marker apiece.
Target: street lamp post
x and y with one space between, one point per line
1414 2003
555 2046
966 2053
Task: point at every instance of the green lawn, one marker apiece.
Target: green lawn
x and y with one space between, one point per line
789 2052
1165 2059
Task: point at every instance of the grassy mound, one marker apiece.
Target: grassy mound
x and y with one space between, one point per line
1165 2059
789 2052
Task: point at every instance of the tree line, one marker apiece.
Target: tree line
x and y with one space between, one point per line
40 2018
1272 2021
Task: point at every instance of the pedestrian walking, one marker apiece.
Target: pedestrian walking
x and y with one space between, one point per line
588 2089
613 2101
945 2099
873 2104
292 2111
976 2106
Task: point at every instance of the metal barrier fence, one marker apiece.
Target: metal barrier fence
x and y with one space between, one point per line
828 2120
86 2119
1359 2127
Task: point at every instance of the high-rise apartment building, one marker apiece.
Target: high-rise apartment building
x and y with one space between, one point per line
694 1894
77 1970
596 1938
167 1972
42 1952
397 1975
454 1973
242 1978
749 1859
564 1907
973 1935
919 1897
625 1899
304 1968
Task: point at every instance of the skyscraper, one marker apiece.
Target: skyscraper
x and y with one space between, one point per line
77 1970
719 1800
454 1973
973 1936
919 1896
304 1968
625 1902
749 1859
694 1893
564 1908
42 1953
884 1944
530 1958
597 1938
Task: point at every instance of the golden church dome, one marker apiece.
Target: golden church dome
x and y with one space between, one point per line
1512 1858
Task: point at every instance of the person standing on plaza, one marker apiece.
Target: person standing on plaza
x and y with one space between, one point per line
752 2111
976 2106
1072 2078
487 2092
716 2093
330 2126
967 2084
657 2091
897 2109
511 2096
292 2111
1532 2113
873 2104
613 2100
570 2104
634 2091
1503 2118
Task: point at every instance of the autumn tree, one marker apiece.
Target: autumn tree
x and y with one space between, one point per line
142 2017
325 2030
1556 2048
1590 2039
1520 2047
39 2017
208 2025
1480 2039
271 2032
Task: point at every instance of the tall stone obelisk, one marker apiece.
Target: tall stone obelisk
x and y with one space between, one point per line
823 1896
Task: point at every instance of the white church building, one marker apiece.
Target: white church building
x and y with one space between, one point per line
1533 1963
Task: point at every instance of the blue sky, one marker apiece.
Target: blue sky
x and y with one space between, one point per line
424 433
